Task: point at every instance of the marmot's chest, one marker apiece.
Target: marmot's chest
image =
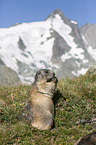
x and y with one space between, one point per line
42 102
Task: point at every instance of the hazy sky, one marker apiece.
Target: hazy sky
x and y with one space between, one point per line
18 11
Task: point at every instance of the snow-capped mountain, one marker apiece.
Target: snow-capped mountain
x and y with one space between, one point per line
89 33
55 43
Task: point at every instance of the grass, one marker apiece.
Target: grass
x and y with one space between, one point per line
75 100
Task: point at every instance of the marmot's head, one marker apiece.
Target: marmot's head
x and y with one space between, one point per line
46 81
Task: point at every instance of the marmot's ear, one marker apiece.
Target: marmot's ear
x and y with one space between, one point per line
37 75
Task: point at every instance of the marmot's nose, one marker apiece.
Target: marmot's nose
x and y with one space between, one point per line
53 74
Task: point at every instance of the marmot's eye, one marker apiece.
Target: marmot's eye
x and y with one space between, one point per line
39 73
49 80
46 71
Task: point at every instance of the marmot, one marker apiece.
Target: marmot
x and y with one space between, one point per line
40 99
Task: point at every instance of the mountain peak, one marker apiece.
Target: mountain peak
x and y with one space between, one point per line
60 13
56 11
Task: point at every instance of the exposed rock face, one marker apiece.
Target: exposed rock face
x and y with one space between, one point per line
89 32
21 45
1 62
8 77
56 43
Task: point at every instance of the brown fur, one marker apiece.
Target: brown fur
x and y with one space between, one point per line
89 139
40 98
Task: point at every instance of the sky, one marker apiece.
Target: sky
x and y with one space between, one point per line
25 11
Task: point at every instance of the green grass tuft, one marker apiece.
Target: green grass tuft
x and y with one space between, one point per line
75 101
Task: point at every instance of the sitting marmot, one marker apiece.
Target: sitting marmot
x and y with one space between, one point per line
40 99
